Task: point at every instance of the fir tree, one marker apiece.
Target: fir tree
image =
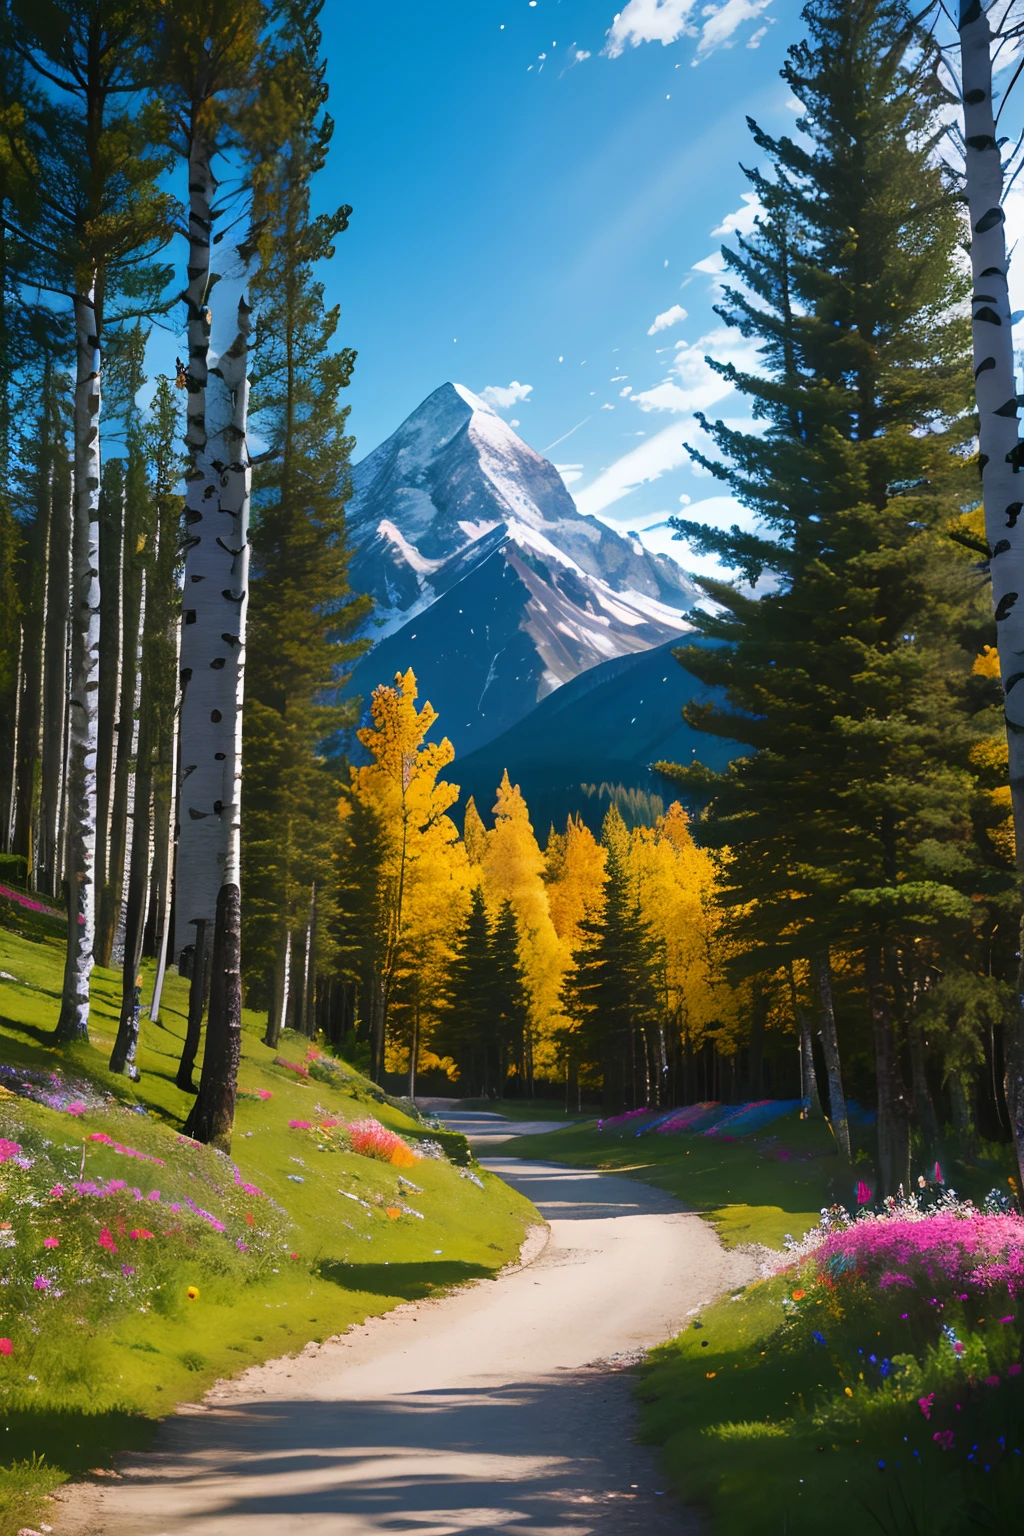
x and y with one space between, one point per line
850 681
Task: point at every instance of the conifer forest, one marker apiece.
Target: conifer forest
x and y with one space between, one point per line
279 713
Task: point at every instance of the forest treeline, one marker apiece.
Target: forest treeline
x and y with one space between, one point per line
836 915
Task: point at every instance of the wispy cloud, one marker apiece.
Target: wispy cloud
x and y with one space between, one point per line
721 26
501 397
692 386
649 21
670 317
570 472
665 21
741 221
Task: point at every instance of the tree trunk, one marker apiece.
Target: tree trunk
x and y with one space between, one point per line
11 805
55 677
111 551
125 1046
924 1108
893 1109
833 1067
73 1023
808 1075
131 614
198 994
277 1012
213 1113
1002 491
759 1016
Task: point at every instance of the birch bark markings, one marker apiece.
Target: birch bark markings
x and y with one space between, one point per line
73 1023
1002 487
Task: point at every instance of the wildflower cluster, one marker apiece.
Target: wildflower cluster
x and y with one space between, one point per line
366 1137
83 1247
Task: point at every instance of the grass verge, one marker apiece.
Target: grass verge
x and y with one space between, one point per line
108 1218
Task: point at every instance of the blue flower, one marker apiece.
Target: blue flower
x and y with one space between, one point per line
819 1338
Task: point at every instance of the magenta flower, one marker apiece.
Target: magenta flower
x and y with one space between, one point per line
241 1245
863 1193
106 1240
299 1125
57 1191
1010 1319
127 1270
6 1346
8 1149
264 1093
1013 1370
943 1439
925 1404
51 1242
991 1381
40 1283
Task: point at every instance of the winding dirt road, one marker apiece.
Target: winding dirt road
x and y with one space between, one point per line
502 1407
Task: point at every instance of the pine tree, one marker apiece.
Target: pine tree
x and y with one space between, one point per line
609 995
301 609
850 681
467 1028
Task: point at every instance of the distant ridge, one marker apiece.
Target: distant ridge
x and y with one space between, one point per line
608 725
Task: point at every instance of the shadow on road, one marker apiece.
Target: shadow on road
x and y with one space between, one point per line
468 1460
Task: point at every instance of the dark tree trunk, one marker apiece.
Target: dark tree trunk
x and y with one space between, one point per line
833 1066
213 1113
755 1060
197 997
893 1108
924 1107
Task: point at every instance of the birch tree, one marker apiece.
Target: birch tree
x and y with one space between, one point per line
1000 459
100 223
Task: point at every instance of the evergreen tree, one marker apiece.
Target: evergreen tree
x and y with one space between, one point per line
510 1004
301 609
610 993
467 1031
850 682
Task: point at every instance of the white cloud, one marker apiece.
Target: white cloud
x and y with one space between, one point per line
570 472
627 391
649 21
754 40
714 264
695 387
721 26
668 318
501 397
741 222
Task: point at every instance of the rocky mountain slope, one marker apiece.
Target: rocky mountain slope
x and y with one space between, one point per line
487 580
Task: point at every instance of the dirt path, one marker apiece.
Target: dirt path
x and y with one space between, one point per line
504 1406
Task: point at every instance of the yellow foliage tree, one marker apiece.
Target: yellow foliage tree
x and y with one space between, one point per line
576 880
420 871
513 871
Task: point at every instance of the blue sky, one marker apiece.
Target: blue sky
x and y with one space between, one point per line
534 184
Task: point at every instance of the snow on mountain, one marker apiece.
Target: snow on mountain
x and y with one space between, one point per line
454 512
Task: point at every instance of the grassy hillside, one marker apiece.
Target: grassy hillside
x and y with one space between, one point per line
138 1266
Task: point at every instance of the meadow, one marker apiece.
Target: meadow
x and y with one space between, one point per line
138 1266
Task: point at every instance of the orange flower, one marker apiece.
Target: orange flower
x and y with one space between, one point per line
799 1295
394 1211
710 1374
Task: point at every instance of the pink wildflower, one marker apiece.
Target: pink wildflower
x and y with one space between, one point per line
863 1193
8 1149
51 1242
127 1270
241 1245
938 1175
6 1346
40 1283
106 1240
264 1093
925 1404
76 1107
57 1191
100 1136
1013 1370
991 1381
299 1125
1010 1319
958 1348
943 1439
139 1234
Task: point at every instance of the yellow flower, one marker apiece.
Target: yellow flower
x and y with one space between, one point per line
848 1391
192 1293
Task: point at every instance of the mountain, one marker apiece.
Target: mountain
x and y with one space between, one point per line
606 727
486 579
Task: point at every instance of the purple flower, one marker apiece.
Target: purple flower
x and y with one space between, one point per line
40 1283
127 1269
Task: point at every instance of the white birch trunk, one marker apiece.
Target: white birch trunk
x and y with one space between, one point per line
215 597
85 643
165 930
1001 482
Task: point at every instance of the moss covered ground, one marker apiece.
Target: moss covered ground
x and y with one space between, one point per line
112 1339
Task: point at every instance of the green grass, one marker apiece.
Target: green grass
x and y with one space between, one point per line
752 1413
757 1424
101 1384
741 1186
